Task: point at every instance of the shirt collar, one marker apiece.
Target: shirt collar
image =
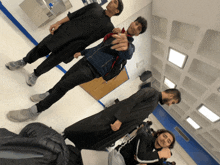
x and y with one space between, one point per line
123 31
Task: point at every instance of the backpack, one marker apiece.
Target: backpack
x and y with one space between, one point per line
36 144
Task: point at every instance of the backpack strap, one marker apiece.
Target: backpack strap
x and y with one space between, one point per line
17 155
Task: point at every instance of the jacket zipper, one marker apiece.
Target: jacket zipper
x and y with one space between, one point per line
98 50
106 63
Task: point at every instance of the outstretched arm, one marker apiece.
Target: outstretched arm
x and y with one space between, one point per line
122 45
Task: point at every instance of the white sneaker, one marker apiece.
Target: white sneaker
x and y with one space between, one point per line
14 65
31 80
23 115
39 97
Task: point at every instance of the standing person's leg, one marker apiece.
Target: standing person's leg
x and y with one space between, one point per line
74 68
53 60
80 73
37 52
42 96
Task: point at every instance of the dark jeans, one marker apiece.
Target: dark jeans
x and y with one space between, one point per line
41 50
78 74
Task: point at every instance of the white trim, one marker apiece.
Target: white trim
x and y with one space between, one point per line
144 161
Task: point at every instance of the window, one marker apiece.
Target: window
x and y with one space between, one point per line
169 83
192 123
177 58
208 113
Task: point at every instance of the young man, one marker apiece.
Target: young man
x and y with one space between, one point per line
104 128
68 36
146 149
97 62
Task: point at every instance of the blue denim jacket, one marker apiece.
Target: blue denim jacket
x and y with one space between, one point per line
102 56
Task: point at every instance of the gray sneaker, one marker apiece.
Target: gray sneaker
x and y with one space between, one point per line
23 115
14 65
39 97
31 80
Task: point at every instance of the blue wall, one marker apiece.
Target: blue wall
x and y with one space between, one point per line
197 153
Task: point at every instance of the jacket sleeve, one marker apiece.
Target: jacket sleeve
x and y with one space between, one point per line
126 105
128 53
81 11
143 154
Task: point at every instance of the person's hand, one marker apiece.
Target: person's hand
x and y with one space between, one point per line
54 27
120 43
116 30
164 153
116 125
76 55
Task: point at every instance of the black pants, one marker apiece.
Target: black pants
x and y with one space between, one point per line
41 50
78 74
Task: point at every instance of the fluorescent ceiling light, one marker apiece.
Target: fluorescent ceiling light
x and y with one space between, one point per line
192 123
169 83
208 113
177 58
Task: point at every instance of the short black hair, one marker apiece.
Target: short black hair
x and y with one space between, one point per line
173 163
143 22
160 131
175 92
120 7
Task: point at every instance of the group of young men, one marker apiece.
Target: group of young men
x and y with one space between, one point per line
67 40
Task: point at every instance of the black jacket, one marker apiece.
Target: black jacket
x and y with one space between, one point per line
143 147
95 132
86 26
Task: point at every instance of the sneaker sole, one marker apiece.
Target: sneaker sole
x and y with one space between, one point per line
29 84
8 68
33 100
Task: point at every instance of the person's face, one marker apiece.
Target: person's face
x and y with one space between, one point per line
113 6
169 100
164 140
135 28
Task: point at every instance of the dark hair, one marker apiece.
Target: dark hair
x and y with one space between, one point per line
173 163
176 92
149 123
120 7
152 131
160 131
143 22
